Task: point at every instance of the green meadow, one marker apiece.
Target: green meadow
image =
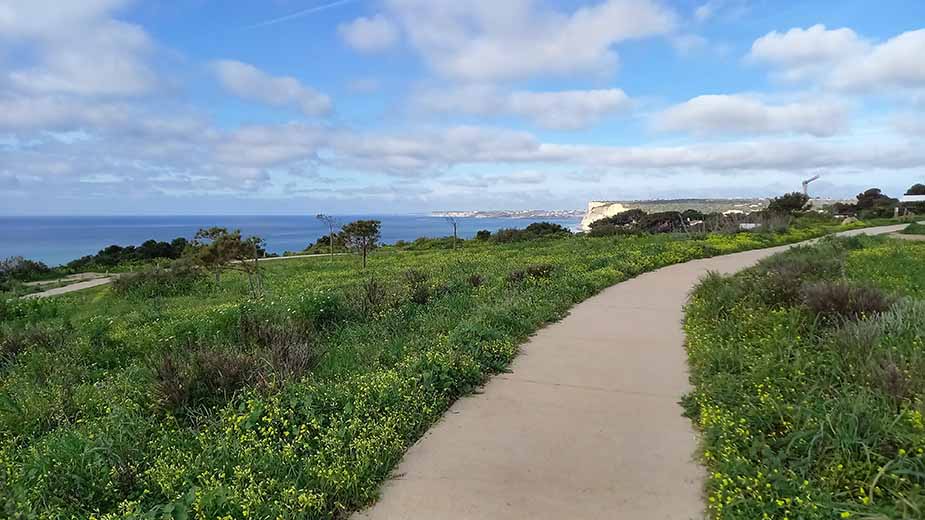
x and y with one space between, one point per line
183 396
809 389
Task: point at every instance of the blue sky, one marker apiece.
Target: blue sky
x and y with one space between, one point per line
397 106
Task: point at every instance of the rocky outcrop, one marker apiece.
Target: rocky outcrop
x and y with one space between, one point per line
598 209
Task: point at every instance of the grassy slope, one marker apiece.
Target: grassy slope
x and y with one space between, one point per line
84 433
804 418
914 229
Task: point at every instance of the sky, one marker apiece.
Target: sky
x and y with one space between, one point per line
410 106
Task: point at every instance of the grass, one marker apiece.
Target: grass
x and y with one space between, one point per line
914 229
810 400
201 401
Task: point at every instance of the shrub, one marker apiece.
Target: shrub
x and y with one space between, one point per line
532 271
834 300
541 270
789 203
516 276
663 222
22 269
418 289
780 278
532 232
156 282
483 234
322 309
368 297
475 280
204 378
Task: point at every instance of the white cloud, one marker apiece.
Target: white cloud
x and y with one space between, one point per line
813 46
567 110
487 40
369 34
249 82
76 48
737 114
897 62
840 59
715 8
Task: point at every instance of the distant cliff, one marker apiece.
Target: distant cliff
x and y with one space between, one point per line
599 209
528 213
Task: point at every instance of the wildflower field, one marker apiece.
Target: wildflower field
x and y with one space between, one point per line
808 383
178 396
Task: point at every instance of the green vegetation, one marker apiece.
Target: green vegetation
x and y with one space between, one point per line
914 229
789 203
176 395
807 373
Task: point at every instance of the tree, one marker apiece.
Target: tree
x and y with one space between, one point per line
873 203
916 189
624 218
483 234
216 249
363 236
331 222
789 203
452 222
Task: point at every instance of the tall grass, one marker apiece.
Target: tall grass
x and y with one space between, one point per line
809 393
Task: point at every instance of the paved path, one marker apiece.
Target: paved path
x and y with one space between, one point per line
70 288
586 425
103 281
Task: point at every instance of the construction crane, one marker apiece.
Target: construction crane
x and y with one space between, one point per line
806 183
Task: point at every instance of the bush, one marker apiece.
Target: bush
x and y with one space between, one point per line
475 280
369 297
533 271
534 231
21 269
834 301
418 289
789 203
779 279
154 282
205 378
483 234
541 270
14 341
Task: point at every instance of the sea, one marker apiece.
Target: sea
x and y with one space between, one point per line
56 240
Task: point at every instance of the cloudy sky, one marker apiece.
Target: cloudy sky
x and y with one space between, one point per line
398 106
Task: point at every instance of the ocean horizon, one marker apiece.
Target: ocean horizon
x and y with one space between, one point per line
57 240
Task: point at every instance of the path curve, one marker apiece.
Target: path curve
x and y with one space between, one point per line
587 424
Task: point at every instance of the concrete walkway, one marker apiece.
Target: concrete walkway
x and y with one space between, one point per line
587 424
79 286
96 282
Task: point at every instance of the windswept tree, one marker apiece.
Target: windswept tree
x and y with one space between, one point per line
362 236
216 249
873 203
789 203
452 221
331 222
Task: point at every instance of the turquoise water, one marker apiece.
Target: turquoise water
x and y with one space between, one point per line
57 240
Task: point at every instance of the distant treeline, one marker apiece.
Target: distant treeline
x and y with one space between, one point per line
115 255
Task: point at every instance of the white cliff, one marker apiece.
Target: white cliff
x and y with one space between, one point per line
598 209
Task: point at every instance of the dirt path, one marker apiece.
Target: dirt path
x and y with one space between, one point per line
587 424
